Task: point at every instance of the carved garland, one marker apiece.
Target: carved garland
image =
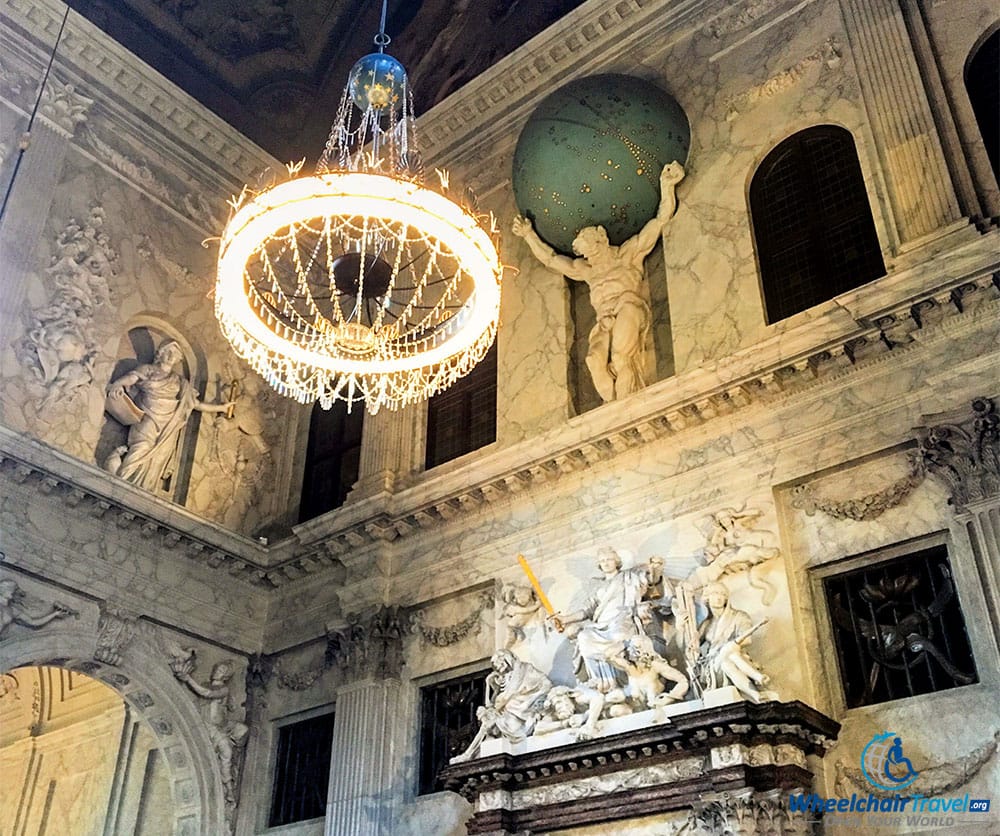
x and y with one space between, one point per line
452 633
867 507
934 780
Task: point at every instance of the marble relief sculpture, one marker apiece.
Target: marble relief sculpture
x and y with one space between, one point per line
613 616
12 609
722 658
155 402
620 642
521 608
614 275
647 672
515 693
735 544
60 347
228 734
571 708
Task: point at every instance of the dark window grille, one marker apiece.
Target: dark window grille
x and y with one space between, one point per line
332 458
447 724
302 770
812 223
898 629
982 81
463 417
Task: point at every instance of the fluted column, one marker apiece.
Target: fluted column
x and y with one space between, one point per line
962 450
368 735
387 450
919 184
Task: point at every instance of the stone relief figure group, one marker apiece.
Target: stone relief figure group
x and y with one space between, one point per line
641 641
61 344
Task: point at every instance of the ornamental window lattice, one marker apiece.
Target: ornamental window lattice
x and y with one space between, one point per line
448 723
463 418
812 223
898 629
302 770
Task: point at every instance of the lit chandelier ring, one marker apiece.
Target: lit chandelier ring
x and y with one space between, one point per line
306 200
359 282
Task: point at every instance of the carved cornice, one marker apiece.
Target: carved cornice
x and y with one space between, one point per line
499 99
701 399
686 404
90 60
672 766
962 450
108 499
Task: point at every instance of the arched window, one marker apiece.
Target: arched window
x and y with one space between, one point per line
982 80
332 458
812 223
463 417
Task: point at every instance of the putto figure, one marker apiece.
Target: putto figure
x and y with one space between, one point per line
228 735
12 609
617 293
155 402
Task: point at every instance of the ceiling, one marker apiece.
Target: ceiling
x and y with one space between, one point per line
275 69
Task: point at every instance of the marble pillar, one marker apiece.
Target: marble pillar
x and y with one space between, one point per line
962 450
369 734
919 184
389 443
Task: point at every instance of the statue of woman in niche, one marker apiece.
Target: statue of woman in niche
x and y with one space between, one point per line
154 402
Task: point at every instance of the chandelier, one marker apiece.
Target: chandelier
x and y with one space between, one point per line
360 282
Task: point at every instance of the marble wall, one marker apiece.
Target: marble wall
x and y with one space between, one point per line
105 236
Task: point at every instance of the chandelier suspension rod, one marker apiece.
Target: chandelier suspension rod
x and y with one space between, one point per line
25 140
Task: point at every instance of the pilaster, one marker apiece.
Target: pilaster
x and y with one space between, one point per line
369 731
387 451
961 449
920 189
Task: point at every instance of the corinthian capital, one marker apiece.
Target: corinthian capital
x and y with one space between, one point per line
962 450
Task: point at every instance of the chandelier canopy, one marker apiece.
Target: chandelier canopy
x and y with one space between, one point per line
360 282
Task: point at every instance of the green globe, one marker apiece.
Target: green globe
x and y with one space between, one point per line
591 154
